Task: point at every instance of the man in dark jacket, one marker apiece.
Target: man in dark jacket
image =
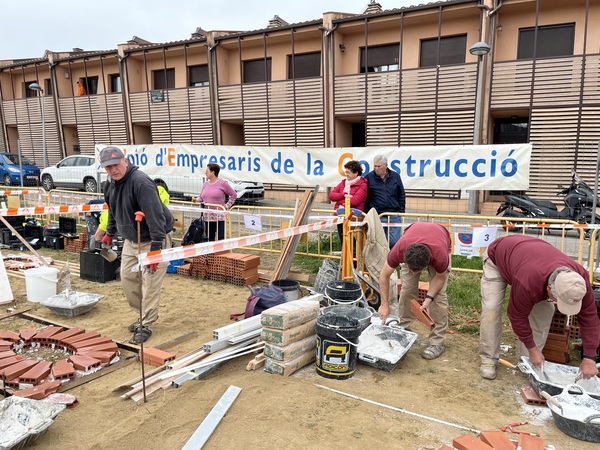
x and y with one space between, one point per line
541 276
386 195
129 191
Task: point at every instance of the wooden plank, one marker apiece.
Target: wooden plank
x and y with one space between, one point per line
16 312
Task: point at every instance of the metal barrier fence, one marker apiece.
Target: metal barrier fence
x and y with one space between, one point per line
247 220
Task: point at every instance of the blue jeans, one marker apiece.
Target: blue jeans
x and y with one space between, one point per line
392 233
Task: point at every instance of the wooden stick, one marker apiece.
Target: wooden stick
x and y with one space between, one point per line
22 239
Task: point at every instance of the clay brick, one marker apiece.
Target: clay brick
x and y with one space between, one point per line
84 363
90 342
528 442
423 316
5 345
156 357
498 440
27 334
105 357
80 337
446 447
40 391
57 338
530 395
469 442
63 370
106 347
7 362
37 373
16 370
10 336
7 354
46 333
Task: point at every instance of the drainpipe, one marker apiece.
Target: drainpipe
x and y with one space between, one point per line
213 86
61 138
328 83
121 59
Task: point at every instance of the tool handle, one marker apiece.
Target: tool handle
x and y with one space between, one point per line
506 363
551 399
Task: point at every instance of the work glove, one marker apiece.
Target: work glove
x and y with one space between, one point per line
154 246
107 240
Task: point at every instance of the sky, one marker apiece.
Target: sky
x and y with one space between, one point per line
30 28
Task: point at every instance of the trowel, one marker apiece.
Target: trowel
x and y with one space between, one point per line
108 253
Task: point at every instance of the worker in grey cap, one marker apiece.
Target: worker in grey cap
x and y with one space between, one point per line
131 190
541 278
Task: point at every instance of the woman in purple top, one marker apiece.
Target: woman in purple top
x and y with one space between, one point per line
213 192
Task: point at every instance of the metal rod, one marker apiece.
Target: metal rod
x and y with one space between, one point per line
399 409
140 326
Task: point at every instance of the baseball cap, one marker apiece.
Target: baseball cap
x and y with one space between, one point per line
109 156
570 288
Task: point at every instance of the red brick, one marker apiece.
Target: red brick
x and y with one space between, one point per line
80 337
156 357
90 342
446 447
106 347
46 333
530 395
469 442
7 362
5 345
105 357
528 442
57 338
63 370
81 362
7 354
40 391
10 336
37 373
498 440
15 370
27 333
422 316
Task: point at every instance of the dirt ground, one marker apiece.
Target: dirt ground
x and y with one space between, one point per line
276 412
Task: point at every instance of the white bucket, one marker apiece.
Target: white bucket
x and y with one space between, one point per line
41 283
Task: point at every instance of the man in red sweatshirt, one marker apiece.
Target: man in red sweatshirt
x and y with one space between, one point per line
541 277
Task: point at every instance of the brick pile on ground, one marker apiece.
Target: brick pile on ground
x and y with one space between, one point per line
233 268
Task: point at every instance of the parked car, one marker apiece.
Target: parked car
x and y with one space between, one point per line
10 170
75 172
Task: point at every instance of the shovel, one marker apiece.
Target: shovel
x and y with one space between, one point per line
108 253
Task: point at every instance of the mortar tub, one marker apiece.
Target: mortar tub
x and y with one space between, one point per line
578 415
383 346
559 376
363 315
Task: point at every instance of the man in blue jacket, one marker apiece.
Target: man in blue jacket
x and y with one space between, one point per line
386 195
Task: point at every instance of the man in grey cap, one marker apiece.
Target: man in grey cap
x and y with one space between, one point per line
541 277
131 190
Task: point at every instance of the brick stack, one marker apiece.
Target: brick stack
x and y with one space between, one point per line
289 332
233 268
77 244
557 345
495 440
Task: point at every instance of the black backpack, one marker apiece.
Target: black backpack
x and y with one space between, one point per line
195 233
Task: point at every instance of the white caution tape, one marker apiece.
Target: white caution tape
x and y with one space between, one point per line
53 209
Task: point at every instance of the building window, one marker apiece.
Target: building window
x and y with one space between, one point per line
115 83
257 70
305 65
30 92
163 79
90 85
553 40
198 75
379 59
443 51
48 87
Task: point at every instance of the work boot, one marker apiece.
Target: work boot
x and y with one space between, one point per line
488 371
433 351
133 326
141 335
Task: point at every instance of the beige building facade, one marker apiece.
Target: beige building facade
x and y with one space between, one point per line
397 77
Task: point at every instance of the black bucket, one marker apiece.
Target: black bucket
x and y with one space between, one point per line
337 338
341 292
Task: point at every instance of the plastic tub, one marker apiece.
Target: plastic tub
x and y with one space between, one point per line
289 287
41 283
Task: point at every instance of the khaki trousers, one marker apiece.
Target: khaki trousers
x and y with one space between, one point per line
147 296
438 309
493 290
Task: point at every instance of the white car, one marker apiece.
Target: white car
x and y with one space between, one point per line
75 172
80 172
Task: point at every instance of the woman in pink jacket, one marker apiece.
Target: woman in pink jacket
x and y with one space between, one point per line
353 186
214 191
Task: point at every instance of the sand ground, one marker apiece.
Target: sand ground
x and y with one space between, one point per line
274 412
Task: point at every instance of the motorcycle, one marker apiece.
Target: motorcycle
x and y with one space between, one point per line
578 199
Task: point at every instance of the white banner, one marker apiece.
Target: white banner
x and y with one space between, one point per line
448 167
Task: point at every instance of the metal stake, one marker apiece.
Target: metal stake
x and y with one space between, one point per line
139 215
